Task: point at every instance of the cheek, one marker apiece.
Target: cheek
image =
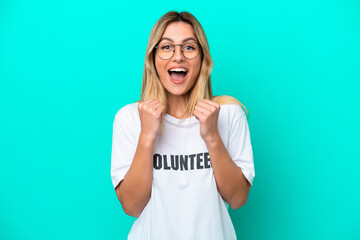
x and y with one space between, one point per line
197 68
160 66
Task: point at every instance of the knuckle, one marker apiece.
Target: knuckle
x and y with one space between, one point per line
146 107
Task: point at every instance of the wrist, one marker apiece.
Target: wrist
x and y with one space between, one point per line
212 140
147 140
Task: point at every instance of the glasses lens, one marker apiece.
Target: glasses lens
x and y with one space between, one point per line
190 50
165 50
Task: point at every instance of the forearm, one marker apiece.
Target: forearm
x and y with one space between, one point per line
231 182
134 191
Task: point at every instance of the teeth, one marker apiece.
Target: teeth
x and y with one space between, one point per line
178 70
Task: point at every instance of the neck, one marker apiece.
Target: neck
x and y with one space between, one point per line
176 105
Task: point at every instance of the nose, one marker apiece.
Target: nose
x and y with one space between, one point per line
178 55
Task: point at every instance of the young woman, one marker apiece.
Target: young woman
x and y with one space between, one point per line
180 154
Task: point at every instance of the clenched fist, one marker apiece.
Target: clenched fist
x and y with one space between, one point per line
150 112
207 112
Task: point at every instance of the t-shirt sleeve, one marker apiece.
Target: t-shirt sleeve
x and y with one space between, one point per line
123 145
240 148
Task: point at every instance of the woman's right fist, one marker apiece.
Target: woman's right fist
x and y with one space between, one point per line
150 112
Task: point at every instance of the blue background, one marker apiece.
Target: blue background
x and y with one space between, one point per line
67 67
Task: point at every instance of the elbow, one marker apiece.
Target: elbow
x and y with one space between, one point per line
130 212
130 209
127 206
236 204
240 198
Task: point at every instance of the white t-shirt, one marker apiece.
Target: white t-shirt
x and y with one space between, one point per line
185 203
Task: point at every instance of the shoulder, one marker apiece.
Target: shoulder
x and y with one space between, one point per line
231 115
232 110
127 109
128 112
231 104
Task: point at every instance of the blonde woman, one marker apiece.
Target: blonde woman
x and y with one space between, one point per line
180 155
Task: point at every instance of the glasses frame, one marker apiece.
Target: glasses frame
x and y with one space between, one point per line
182 50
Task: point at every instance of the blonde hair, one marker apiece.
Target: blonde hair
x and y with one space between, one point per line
152 86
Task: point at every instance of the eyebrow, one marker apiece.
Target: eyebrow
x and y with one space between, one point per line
185 40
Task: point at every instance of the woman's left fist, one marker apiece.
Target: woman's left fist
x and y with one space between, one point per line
207 112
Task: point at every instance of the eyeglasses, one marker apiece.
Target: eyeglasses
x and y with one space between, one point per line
166 50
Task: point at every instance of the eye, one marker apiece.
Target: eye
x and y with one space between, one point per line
165 47
190 47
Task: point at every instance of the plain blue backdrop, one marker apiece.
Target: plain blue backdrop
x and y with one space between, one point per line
67 67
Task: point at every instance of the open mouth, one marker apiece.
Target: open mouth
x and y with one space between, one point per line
178 74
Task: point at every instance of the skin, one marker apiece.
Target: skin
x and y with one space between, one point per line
177 93
230 180
134 191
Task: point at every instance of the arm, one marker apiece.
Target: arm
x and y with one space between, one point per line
230 180
134 191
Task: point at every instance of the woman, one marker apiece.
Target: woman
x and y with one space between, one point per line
176 176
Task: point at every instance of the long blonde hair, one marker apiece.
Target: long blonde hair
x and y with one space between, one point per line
152 86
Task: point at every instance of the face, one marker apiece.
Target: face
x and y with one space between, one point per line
178 83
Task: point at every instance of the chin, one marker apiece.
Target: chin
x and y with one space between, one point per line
177 90
177 94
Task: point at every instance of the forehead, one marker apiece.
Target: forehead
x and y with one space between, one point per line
178 31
